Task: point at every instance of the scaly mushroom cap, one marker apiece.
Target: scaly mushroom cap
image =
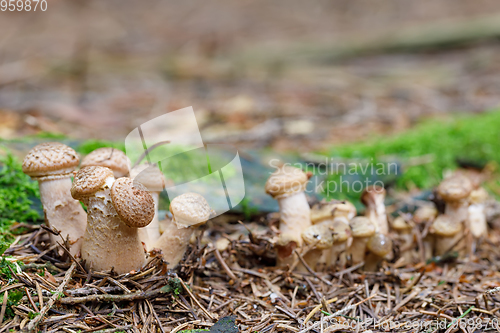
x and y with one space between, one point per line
379 244
455 188
286 181
425 213
89 180
444 226
334 208
50 159
190 209
478 196
400 224
341 229
148 175
133 203
361 226
319 234
108 157
369 195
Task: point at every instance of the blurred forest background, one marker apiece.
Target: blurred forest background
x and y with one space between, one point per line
290 75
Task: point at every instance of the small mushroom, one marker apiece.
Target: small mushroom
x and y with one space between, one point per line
320 235
477 216
116 209
189 210
380 246
341 236
51 164
108 157
152 178
287 185
404 232
373 198
426 215
454 191
361 230
447 232
329 210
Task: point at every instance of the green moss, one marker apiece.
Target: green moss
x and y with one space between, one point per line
471 138
18 198
91 145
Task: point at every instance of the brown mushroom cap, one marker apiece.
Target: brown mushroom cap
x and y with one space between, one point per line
89 180
319 234
445 226
455 188
380 244
369 194
133 202
108 157
400 224
361 226
334 208
50 159
286 181
190 209
425 213
341 230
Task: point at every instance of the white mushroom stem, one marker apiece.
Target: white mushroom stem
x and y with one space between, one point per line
62 211
152 233
406 241
108 241
174 242
478 225
295 218
376 213
337 252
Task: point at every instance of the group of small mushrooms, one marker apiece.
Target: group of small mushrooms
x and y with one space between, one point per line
330 234
120 227
120 224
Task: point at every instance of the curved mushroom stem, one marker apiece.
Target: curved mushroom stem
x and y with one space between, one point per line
457 210
63 212
174 242
295 218
337 253
108 241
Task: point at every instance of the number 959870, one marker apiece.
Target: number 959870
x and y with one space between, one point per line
23 5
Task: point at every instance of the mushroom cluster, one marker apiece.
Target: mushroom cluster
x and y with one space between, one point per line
121 222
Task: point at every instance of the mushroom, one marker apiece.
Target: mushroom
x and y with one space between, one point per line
477 216
361 230
152 178
287 185
341 236
331 209
116 209
320 236
404 232
426 215
447 232
454 191
108 157
51 164
189 210
373 198
380 246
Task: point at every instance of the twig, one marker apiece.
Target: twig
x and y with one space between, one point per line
195 299
310 270
225 266
34 323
